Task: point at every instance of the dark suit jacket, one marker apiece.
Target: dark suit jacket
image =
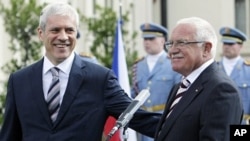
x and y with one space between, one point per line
205 111
92 94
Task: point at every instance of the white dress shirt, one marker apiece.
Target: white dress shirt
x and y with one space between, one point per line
64 67
152 59
229 64
196 73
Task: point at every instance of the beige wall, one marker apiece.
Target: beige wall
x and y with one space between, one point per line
218 12
213 11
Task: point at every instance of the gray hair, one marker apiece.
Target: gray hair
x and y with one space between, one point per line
204 31
62 9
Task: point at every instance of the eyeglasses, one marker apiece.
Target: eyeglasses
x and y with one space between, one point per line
170 44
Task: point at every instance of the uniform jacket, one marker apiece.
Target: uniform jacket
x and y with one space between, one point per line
205 111
241 76
92 94
159 81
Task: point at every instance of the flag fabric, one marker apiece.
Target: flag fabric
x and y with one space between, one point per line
119 66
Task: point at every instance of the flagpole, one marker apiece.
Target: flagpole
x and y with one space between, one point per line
120 10
125 131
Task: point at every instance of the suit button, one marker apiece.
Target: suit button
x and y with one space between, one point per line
244 85
148 101
149 82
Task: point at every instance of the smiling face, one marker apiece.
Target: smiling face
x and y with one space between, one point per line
59 37
187 57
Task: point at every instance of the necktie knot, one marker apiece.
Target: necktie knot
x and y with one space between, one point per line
55 71
185 83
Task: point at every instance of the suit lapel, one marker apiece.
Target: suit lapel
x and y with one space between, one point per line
168 103
76 77
37 90
194 90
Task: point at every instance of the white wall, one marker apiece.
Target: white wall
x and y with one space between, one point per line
217 12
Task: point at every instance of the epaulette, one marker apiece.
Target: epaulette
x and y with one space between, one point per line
138 60
247 62
85 54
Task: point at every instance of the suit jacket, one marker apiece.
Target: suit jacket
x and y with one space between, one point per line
206 110
159 81
92 94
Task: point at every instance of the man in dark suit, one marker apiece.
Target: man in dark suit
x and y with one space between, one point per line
205 108
81 97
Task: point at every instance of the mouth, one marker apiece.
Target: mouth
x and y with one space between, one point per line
61 45
176 56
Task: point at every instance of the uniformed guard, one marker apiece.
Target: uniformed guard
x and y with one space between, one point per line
235 66
154 71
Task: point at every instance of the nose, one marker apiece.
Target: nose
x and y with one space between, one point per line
63 35
173 50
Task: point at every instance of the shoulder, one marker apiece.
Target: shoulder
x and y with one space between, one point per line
138 60
85 54
29 70
247 62
88 57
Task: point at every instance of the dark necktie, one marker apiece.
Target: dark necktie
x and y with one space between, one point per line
183 87
53 99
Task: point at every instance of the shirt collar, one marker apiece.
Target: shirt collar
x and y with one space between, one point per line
64 66
232 62
195 74
155 57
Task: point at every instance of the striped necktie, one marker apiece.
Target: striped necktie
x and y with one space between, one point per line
183 87
53 99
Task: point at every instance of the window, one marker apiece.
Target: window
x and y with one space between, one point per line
242 15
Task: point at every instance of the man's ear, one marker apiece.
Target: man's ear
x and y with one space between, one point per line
207 48
39 33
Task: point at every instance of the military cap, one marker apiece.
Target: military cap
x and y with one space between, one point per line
232 35
151 30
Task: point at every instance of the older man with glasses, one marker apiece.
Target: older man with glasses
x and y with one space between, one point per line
207 101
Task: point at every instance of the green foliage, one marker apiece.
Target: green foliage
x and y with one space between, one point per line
20 22
102 27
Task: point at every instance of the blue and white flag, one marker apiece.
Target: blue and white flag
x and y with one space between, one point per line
119 66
